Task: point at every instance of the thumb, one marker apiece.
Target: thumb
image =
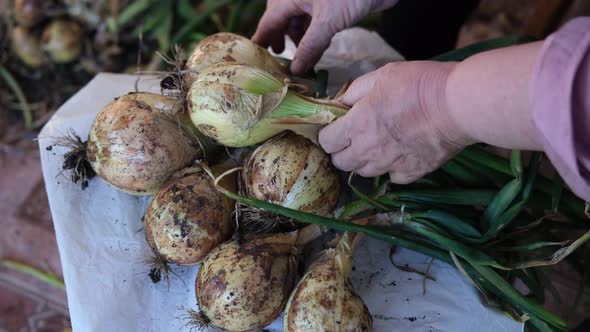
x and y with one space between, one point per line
314 42
359 88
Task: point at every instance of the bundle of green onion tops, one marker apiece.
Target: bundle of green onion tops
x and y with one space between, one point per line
495 219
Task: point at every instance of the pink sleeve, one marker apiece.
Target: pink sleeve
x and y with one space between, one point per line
561 102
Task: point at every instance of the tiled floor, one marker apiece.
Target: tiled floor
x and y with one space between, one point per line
26 235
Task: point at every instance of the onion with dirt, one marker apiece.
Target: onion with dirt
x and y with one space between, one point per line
187 218
136 144
291 171
324 299
229 47
245 285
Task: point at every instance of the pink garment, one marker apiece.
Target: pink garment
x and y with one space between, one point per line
561 102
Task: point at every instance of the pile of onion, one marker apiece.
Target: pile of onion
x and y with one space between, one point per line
324 299
135 144
188 217
289 170
243 286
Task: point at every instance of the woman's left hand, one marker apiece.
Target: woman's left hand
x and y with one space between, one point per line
398 124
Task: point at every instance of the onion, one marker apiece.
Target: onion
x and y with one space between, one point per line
229 47
136 143
324 299
28 12
291 171
240 105
187 218
62 40
245 286
27 47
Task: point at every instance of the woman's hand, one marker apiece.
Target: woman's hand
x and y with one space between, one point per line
399 123
311 24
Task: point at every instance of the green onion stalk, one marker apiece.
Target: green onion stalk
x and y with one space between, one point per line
241 105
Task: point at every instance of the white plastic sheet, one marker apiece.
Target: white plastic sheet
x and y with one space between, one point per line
102 245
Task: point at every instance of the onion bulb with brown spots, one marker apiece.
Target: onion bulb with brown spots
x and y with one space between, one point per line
324 299
243 286
136 143
229 47
291 171
188 217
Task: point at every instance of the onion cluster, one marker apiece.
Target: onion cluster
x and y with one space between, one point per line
148 144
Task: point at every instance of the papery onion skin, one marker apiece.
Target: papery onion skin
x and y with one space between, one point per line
324 301
241 287
139 140
187 218
229 47
291 171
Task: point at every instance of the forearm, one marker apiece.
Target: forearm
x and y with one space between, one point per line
488 97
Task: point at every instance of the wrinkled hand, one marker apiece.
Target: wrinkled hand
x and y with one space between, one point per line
311 24
398 123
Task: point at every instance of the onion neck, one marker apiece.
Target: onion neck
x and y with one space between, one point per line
294 105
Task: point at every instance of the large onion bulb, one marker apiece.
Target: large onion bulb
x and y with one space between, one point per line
187 218
136 143
240 105
324 299
291 171
229 47
245 286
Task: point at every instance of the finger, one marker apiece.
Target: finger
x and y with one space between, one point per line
348 160
335 137
359 88
370 170
274 22
402 178
314 42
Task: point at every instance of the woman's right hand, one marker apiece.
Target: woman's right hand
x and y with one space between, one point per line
311 24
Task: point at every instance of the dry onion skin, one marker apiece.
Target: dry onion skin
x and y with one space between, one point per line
136 143
291 171
229 47
187 218
324 299
245 286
